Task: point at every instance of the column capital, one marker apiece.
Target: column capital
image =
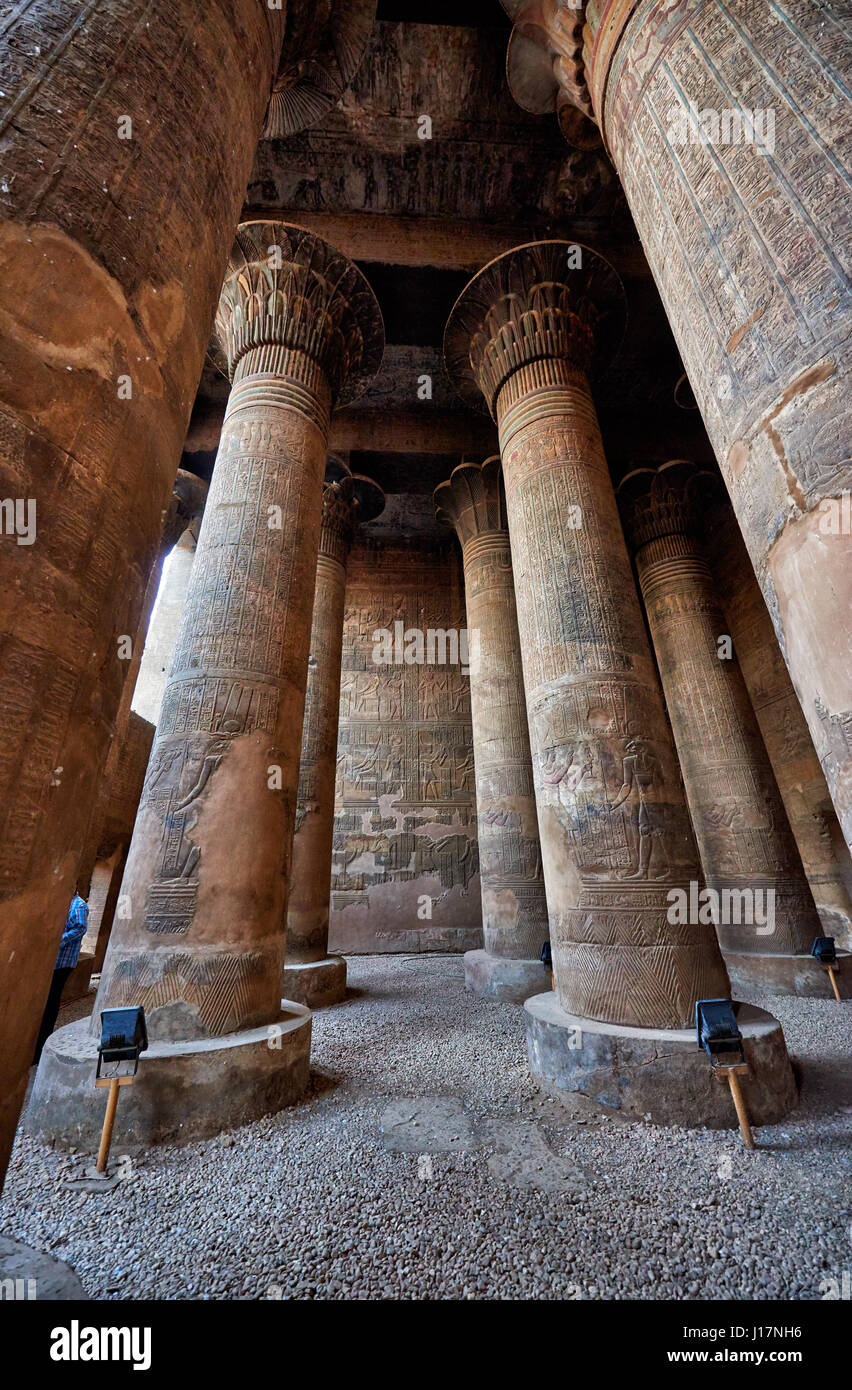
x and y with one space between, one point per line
545 65
287 291
660 502
348 499
189 495
542 301
473 500
322 51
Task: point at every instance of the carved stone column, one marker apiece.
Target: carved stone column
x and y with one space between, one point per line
311 976
209 865
112 823
801 781
514 907
614 827
126 143
764 911
728 122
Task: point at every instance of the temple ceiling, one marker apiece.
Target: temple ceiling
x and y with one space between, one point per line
421 215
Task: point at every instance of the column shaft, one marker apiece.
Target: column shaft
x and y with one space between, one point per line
615 833
208 868
801 781
737 812
514 907
308 906
728 123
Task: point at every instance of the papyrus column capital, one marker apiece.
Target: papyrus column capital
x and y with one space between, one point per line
287 296
543 302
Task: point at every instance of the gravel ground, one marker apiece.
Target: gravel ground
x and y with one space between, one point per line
424 1164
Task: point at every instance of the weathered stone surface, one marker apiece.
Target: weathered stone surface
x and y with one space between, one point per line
208 870
514 907
182 1090
779 975
747 848
37 1275
748 242
406 864
316 983
347 500
786 737
504 978
323 46
657 1072
112 252
615 832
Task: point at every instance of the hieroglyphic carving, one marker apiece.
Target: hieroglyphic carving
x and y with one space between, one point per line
514 908
801 781
348 500
614 827
746 236
737 812
405 784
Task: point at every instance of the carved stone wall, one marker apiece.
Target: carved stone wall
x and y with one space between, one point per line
405 820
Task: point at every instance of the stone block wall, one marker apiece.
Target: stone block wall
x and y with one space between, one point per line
405 871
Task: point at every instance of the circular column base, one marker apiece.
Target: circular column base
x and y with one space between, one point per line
505 980
182 1091
657 1072
316 983
801 975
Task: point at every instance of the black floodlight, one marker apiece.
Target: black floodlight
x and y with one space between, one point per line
546 956
824 951
123 1037
717 1032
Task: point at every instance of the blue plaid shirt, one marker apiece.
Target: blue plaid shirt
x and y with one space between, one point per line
72 937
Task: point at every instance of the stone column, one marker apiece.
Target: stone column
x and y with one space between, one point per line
728 122
764 912
126 142
209 865
801 781
615 832
121 785
311 976
514 908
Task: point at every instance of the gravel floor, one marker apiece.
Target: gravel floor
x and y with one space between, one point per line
424 1164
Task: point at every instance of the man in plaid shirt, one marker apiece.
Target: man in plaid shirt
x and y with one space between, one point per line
69 953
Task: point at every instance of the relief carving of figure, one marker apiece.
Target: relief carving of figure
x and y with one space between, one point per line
640 773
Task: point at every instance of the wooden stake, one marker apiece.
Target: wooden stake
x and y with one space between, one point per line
832 975
739 1106
109 1121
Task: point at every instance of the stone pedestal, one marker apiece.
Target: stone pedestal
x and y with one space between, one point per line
514 907
316 983
789 974
208 870
727 121
615 831
658 1072
750 860
309 974
183 1090
505 979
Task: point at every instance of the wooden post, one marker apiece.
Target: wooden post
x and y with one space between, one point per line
109 1121
739 1105
832 975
